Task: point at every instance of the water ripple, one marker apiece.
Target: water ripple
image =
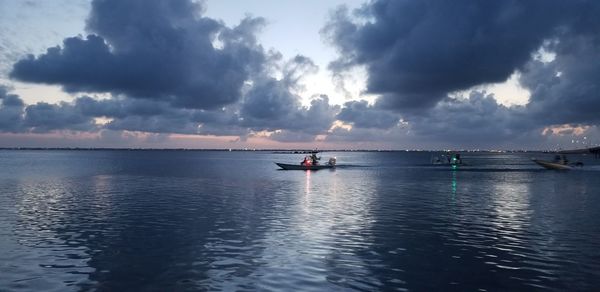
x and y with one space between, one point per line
162 222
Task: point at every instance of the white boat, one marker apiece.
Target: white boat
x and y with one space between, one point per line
560 162
552 165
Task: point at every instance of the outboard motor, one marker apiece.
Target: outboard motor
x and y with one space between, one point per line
331 161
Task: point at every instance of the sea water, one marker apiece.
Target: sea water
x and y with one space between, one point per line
216 220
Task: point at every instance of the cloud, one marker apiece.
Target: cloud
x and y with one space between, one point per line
16 117
148 115
44 117
157 50
271 104
168 69
566 90
122 107
152 116
362 115
11 112
416 52
476 120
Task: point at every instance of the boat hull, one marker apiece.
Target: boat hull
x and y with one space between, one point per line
303 167
552 165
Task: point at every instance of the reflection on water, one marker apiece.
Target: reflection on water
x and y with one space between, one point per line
454 181
307 183
135 221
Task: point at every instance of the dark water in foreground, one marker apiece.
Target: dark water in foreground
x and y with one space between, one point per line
174 220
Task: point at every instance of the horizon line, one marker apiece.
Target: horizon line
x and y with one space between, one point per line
282 150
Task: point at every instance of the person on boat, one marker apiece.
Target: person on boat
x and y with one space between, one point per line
561 159
457 159
332 161
314 158
306 161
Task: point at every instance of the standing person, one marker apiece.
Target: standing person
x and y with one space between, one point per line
314 158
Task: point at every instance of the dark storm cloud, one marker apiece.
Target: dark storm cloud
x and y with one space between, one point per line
416 52
152 49
16 117
317 118
44 117
225 121
139 115
169 70
10 100
157 117
362 115
11 112
475 120
123 107
269 101
154 116
271 104
566 90
154 124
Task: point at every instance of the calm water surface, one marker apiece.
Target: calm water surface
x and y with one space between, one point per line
184 220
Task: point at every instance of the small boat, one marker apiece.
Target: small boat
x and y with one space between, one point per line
552 165
560 162
452 160
309 163
304 167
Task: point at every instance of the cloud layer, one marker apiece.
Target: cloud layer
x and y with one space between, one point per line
161 50
416 52
167 69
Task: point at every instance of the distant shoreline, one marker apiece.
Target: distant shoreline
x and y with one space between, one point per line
274 151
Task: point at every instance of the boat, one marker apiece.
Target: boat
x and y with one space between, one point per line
560 162
452 160
309 163
552 165
286 166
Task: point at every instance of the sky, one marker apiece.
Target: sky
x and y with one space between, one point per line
378 74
